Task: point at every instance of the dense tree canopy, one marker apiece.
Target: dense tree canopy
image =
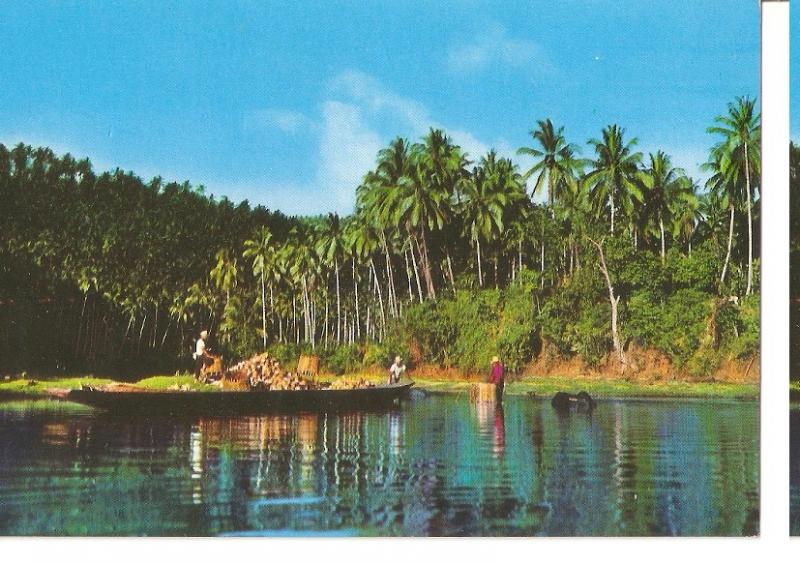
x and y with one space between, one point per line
447 256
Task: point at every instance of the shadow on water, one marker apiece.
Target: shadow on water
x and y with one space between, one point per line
437 466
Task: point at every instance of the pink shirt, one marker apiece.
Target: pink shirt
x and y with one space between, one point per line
497 373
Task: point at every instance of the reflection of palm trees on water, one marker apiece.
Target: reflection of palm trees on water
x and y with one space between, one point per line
437 466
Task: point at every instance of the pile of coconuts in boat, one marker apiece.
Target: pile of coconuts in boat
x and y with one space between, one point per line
264 372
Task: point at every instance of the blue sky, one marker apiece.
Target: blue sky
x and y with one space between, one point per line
286 103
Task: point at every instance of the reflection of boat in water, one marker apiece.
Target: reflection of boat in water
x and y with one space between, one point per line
239 402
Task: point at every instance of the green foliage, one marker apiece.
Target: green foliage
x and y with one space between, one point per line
592 338
289 353
699 271
748 335
466 331
446 259
343 359
674 325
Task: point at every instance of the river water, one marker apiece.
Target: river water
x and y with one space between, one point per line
433 466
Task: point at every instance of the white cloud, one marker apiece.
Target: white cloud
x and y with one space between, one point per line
367 91
347 151
496 47
412 118
287 121
358 116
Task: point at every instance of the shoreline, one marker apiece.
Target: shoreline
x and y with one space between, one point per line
539 387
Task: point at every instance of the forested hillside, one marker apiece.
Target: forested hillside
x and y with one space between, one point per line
794 198
447 258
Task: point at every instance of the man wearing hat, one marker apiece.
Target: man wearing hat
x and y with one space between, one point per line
498 376
200 355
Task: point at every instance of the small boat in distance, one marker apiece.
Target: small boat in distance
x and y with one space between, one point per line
174 402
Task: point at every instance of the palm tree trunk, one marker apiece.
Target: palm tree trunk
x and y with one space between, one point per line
542 281
325 327
408 275
338 305
294 319
730 241
426 264
663 247
749 223
450 270
613 209
416 269
263 310
378 286
355 286
480 272
390 287
271 307
614 300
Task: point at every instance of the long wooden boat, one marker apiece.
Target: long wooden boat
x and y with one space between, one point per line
173 402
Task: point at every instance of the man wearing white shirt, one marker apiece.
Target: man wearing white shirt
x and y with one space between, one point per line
397 370
200 355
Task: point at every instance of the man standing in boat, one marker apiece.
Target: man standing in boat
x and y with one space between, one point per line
397 370
201 356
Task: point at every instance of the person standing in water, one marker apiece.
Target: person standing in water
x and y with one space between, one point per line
498 376
397 370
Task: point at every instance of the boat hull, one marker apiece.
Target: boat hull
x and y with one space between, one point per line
239 402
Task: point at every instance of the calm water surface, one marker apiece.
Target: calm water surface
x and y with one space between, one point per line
435 466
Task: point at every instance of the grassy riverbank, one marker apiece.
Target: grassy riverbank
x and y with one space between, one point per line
543 387
546 387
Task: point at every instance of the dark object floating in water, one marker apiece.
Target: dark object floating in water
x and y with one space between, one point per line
580 402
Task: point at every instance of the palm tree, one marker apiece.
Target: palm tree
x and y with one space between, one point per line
556 158
365 239
330 248
482 212
724 188
741 132
260 251
440 167
492 188
661 185
687 213
225 276
376 198
573 212
421 200
612 177
225 273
